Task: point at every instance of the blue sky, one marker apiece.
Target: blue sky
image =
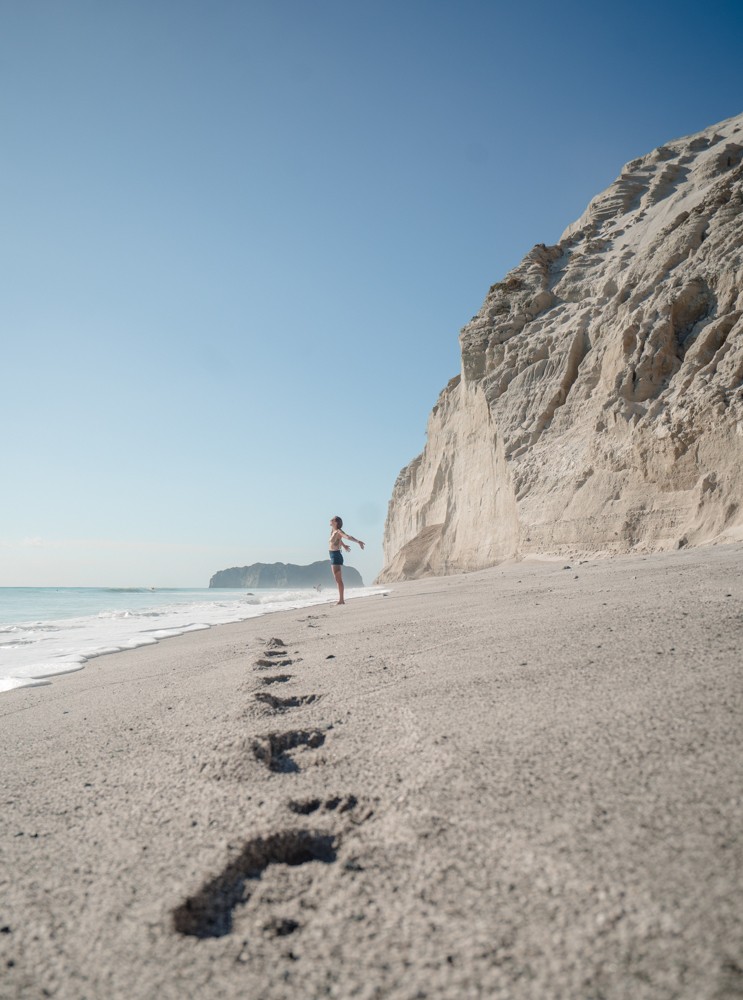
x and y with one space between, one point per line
240 239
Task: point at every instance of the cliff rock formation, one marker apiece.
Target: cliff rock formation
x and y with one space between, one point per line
283 575
600 402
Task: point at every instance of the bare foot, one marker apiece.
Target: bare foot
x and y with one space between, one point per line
339 602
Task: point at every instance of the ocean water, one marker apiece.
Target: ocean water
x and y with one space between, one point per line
45 631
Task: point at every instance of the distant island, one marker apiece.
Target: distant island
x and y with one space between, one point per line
272 575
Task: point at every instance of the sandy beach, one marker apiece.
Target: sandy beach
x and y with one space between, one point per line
524 782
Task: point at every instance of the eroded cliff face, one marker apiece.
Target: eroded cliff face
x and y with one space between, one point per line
600 402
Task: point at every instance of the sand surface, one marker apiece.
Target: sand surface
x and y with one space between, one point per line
525 782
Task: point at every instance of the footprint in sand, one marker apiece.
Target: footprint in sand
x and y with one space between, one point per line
264 663
208 913
274 655
273 749
276 679
311 620
305 807
283 704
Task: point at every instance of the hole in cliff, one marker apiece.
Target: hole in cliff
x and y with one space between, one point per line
695 302
730 156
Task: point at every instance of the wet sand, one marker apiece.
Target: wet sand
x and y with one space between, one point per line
524 782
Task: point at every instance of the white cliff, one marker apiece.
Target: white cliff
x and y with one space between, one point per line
600 403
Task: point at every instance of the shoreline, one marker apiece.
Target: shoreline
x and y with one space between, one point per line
525 781
107 631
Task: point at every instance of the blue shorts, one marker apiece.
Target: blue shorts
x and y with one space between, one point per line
336 558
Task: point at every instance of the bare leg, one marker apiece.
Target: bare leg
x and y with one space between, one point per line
338 574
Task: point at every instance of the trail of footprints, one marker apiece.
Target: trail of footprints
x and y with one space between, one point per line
209 912
275 749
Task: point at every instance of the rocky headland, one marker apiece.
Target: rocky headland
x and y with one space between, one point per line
599 408
275 575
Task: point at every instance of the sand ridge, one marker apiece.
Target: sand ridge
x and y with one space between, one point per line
524 782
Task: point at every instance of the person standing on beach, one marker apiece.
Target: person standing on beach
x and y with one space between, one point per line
336 556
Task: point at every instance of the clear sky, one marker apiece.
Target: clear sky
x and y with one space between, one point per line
240 237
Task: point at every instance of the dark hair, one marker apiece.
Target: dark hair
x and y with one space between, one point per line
338 521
